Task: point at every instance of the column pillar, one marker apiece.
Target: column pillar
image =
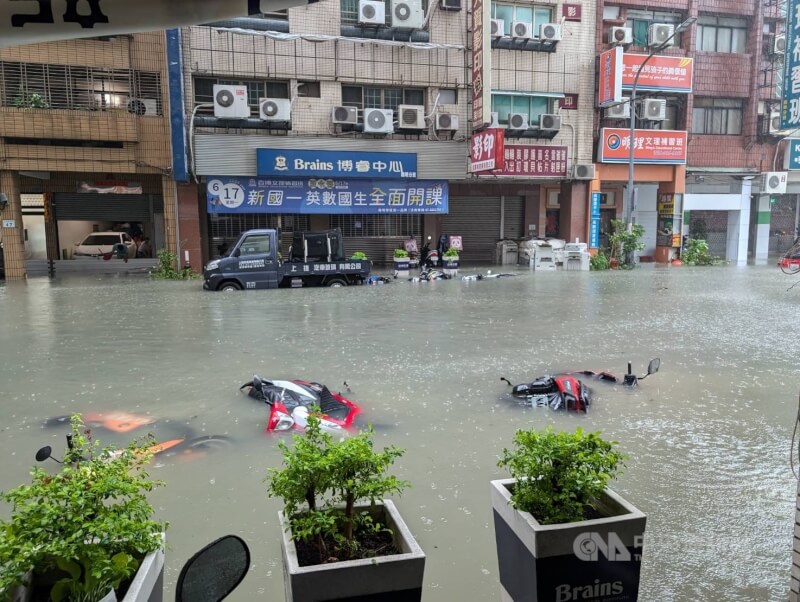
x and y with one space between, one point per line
13 245
189 226
169 194
763 215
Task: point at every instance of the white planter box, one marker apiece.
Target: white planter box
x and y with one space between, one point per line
402 267
450 265
596 559
396 578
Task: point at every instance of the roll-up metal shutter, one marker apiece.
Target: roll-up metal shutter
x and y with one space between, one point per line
380 250
513 217
477 221
107 207
224 229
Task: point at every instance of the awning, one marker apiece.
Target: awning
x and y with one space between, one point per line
518 93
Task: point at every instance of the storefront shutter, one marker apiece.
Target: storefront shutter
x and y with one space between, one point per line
477 221
513 217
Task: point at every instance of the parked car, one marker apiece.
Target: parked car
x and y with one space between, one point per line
97 244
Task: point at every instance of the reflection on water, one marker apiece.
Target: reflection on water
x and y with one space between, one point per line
708 436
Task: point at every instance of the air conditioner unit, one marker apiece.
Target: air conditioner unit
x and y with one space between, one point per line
518 121
450 5
275 109
620 111
779 44
378 121
371 12
498 28
620 35
774 182
655 109
143 106
230 101
411 117
521 30
659 33
549 123
583 171
344 115
495 122
775 122
550 32
407 14
447 122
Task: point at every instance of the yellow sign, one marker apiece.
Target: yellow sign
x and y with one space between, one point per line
676 241
666 204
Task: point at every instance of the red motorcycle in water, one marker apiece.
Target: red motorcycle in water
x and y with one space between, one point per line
292 401
567 391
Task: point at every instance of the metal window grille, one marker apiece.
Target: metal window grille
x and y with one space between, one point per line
377 225
224 230
365 97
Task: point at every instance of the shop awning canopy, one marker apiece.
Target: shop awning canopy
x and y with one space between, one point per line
520 93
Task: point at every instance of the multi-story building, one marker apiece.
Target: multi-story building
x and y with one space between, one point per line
729 112
85 141
360 77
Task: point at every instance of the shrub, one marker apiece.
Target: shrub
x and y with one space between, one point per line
167 268
697 253
451 252
359 256
599 261
400 253
623 243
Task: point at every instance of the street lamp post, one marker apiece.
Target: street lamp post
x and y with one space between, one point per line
629 209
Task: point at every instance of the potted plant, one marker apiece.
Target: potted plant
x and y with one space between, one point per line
359 256
341 540
86 533
599 261
450 262
561 533
625 243
402 263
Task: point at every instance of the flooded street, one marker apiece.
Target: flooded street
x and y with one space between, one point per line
708 436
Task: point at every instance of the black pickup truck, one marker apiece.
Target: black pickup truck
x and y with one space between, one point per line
316 259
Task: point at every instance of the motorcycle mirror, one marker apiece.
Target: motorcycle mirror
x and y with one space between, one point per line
46 453
655 364
257 384
214 572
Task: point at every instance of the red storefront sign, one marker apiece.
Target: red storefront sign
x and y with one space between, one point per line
480 63
662 73
651 146
610 80
532 161
571 12
569 102
486 149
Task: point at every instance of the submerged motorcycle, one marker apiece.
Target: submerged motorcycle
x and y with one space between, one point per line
567 391
291 402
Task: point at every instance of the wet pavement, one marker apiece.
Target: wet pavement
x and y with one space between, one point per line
708 436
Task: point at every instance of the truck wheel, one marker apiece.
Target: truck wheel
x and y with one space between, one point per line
229 286
337 283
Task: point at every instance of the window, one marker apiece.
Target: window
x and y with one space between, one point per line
381 98
256 89
80 88
535 15
717 116
255 245
532 106
720 34
641 20
448 96
349 11
278 15
308 90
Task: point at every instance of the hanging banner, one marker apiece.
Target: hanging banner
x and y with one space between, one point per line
609 82
660 74
325 196
791 157
651 146
336 164
790 101
486 149
34 21
481 64
532 161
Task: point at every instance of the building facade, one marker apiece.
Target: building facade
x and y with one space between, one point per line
84 145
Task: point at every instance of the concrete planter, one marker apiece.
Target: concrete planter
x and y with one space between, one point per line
450 265
395 578
402 267
596 559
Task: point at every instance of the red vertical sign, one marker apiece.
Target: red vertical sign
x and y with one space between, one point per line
610 80
486 150
478 60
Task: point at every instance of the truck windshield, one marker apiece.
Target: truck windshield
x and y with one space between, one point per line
255 244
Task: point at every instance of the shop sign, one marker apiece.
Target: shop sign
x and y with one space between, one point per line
335 164
110 187
594 224
650 146
569 102
609 90
532 161
486 149
325 196
791 160
9 223
571 12
790 100
666 204
661 73
481 63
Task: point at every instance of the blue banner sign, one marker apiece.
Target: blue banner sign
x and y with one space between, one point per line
594 225
792 156
325 196
790 101
336 164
